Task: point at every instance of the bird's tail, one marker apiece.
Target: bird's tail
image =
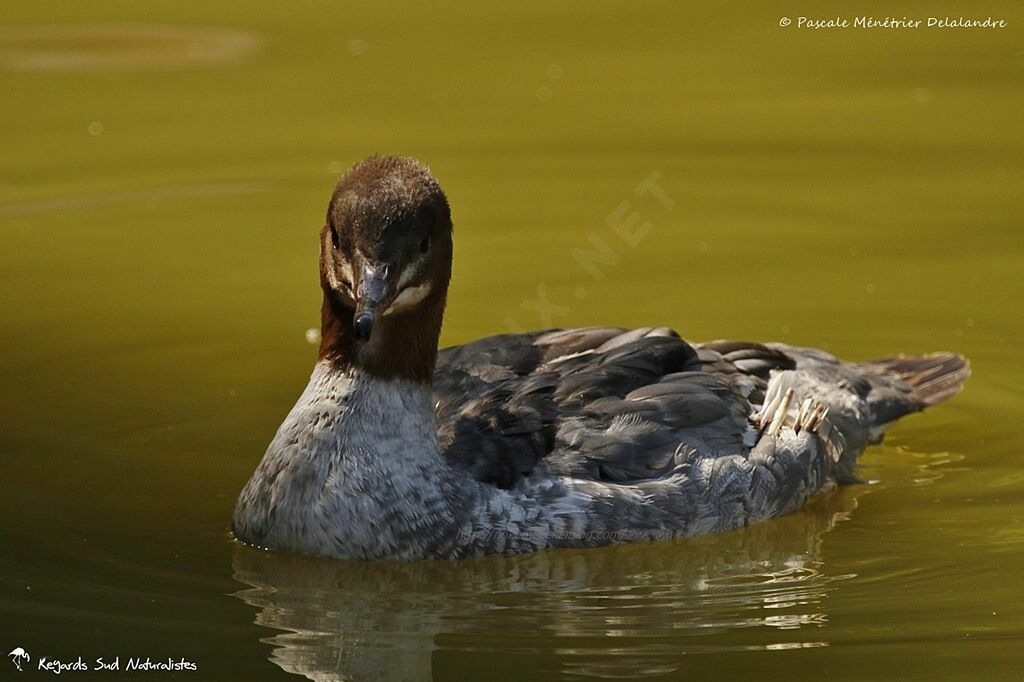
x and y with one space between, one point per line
932 378
904 384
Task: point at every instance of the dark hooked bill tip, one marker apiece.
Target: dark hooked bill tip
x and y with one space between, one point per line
363 326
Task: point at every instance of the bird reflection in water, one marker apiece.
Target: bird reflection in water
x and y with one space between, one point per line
618 611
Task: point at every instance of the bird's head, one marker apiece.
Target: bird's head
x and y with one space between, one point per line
385 263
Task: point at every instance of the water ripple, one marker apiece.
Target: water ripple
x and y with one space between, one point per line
137 196
122 47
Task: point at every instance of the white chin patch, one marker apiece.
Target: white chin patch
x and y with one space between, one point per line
408 298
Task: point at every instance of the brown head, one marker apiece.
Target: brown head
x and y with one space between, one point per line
385 262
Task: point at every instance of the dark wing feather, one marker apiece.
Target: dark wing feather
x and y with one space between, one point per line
601 403
755 361
608 404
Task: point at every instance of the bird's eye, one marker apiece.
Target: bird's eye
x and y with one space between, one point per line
334 236
425 244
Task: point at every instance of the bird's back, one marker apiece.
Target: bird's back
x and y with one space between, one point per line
621 406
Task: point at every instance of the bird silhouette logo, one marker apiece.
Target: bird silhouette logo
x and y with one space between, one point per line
19 655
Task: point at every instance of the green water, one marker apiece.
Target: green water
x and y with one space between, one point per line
165 168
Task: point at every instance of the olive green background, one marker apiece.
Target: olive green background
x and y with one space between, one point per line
164 171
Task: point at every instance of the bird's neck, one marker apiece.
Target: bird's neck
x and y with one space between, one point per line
403 346
378 422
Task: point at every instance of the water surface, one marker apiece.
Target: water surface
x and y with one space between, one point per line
164 175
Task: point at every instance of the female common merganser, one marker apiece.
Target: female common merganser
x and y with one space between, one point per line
555 438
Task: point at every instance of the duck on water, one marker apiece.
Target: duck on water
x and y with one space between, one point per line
555 438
